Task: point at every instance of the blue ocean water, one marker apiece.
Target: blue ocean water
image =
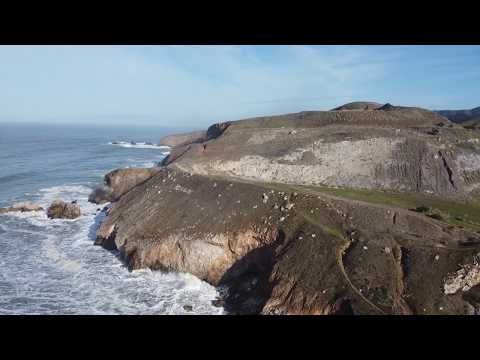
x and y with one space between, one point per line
51 266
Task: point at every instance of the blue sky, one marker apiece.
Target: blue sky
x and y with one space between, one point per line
194 86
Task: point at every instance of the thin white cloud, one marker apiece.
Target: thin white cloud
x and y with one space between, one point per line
180 83
186 85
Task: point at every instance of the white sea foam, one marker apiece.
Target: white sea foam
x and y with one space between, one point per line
53 267
54 253
139 145
135 163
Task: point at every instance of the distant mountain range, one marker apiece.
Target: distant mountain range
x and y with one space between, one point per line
468 118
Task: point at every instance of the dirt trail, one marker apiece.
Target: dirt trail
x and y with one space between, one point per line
339 256
340 253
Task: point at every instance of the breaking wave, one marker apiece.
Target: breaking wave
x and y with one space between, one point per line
139 145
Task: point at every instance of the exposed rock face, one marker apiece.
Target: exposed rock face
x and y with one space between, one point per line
61 210
119 182
464 279
184 139
391 148
22 207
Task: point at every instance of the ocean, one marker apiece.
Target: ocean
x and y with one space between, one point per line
52 266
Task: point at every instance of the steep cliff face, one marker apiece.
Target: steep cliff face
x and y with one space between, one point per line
288 250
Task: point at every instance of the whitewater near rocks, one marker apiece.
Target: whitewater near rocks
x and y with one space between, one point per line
51 266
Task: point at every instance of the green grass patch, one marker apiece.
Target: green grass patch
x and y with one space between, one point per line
326 229
452 212
464 214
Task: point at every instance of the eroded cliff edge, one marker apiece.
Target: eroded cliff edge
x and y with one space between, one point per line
283 243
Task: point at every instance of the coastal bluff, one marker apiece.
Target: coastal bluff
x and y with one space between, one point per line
370 211
183 139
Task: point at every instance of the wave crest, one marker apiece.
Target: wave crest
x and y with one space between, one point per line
139 145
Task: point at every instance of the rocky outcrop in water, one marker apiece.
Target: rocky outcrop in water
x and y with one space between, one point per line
21 207
62 210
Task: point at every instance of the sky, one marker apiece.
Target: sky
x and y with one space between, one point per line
195 86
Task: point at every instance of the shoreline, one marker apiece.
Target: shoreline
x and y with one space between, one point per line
71 275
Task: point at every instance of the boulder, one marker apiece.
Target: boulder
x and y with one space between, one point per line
61 210
22 207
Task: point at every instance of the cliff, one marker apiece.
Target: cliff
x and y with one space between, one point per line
396 148
340 212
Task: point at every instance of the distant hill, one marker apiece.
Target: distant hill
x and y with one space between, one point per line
471 116
472 123
359 105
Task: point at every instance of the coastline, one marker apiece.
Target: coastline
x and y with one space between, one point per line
51 266
290 247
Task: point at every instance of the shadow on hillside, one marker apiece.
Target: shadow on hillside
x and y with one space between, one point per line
92 233
248 280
